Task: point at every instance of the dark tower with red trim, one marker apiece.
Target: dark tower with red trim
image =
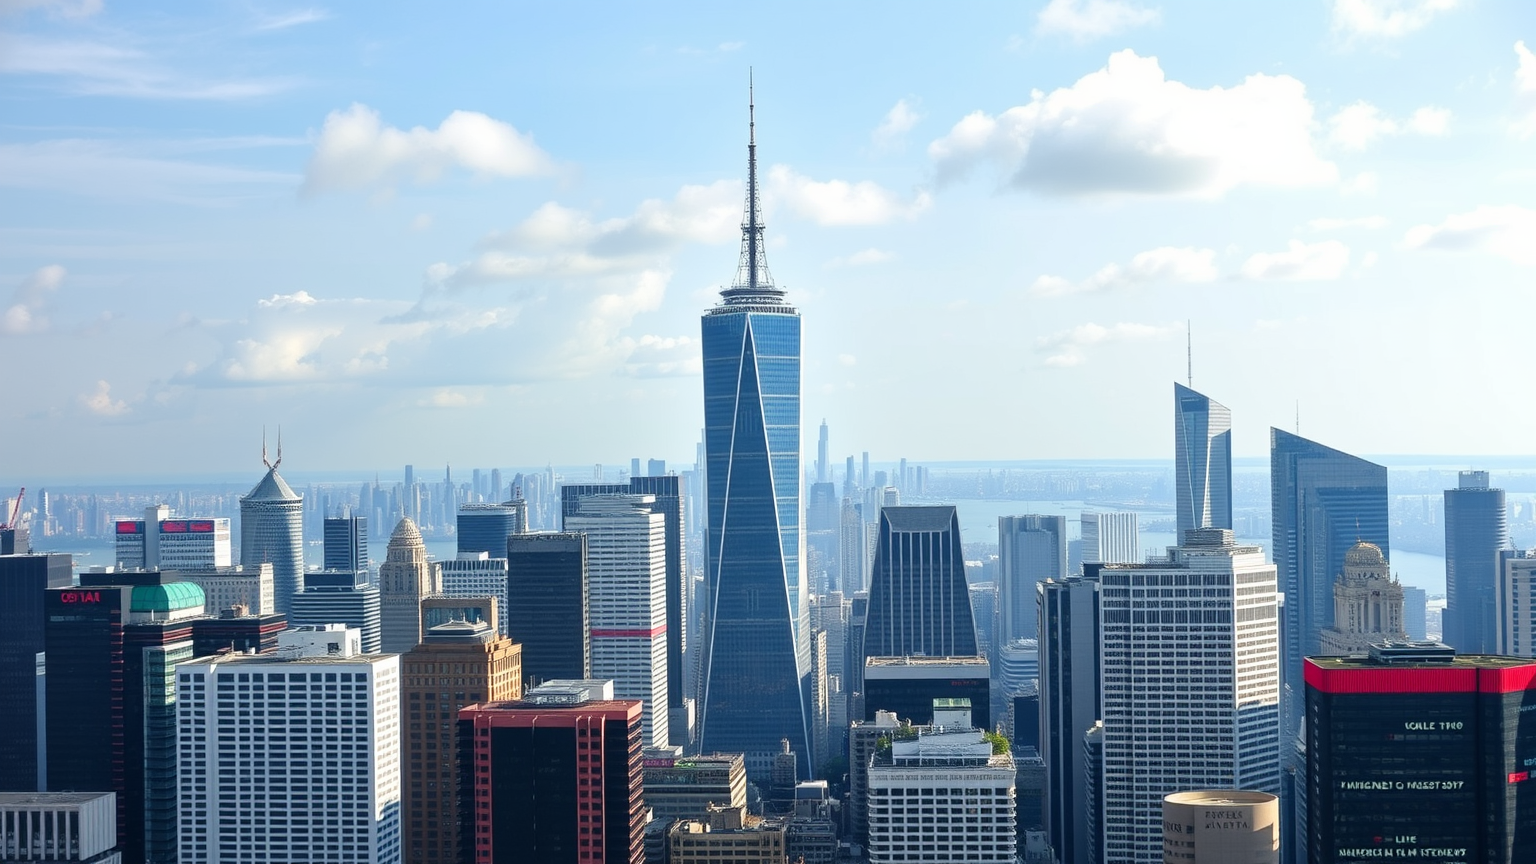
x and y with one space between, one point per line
1417 753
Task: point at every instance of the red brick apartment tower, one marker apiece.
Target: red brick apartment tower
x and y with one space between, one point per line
553 778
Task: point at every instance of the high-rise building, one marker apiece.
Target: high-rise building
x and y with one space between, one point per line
1069 706
24 580
1416 752
1202 441
1190 682
225 587
1030 549
341 597
758 644
626 601
667 489
57 827
919 603
1415 613
685 788
908 686
863 740
236 630
1367 604
158 542
554 778
484 667
272 532
727 834
1476 528
405 579
952 767
486 527
1517 614
547 604
1020 661
322 786
346 543
476 574
1110 538
1323 502
853 568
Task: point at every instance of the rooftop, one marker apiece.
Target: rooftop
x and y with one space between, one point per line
272 488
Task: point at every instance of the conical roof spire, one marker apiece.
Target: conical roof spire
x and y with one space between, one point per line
753 283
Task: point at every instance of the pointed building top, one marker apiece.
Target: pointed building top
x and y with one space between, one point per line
272 488
753 284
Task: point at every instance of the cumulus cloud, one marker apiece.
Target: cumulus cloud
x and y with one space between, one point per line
1525 92
1386 18
1070 347
26 314
1163 264
100 401
839 202
863 257
356 150
1508 231
1127 129
897 123
1085 20
1358 126
1300 262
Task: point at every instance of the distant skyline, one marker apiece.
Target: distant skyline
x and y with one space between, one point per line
484 235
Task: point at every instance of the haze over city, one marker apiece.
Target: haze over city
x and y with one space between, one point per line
485 235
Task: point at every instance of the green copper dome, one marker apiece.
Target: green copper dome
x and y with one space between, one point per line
170 597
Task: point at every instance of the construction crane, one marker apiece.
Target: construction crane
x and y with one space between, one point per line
14 516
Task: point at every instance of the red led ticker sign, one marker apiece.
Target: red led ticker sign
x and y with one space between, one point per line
80 597
130 527
185 526
173 526
1519 776
200 526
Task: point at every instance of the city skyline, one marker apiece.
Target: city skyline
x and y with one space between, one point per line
286 214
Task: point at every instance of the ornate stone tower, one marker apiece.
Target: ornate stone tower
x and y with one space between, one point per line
1367 603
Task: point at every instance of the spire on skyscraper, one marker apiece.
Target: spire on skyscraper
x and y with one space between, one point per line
753 283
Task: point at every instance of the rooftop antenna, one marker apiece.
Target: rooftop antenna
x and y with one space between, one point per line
1189 354
1298 416
279 449
264 449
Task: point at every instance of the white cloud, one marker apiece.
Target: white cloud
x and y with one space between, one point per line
145 170
1127 129
1386 18
102 69
25 314
897 123
1525 92
839 202
862 258
1163 264
1300 262
100 401
1364 183
1508 231
62 8
1085 20
421 222
356 150
451 399
1069 347
1335 224
1357 126
284 20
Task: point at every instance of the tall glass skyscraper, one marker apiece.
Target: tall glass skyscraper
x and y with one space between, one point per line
272 531
758 658
1323 502
1476 528
1030 549
1202 437
918 599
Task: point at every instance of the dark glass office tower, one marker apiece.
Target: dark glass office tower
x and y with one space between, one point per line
486 527
669 503
23 579
1030 549
758 656
919 603
1069 706
547 604
1476 528
1322 502
346 543
1202 438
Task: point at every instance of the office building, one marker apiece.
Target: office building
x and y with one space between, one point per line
727 834
443 609
852 549
1476 528
686 788
1221 826
1367 604
1416 752
346 543
669 502
1030 549
272 532
1189 681
758 647
405 579
1069 706
1110 538
476 574
158 542
1020 660
984 613
1416 612
919 602
322 786
341 597
59 827
225 587
811 833
236 630
1322 503
864 737
1517 592
626 601
24 581
486 527
1202 459
547 604
950 768
482 666
554 777
908 685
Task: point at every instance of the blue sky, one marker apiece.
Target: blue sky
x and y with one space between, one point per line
483 233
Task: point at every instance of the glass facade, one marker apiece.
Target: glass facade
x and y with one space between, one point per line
546 586
1476 528
918 599
1202 436
23 579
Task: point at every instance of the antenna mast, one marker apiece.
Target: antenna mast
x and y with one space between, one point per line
264 449
1189 354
